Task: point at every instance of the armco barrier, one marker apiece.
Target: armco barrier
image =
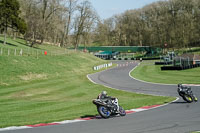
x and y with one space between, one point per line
102 66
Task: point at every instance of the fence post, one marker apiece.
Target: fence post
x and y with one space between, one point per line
8 51
21 52
31 51
37 53
1 51
15 52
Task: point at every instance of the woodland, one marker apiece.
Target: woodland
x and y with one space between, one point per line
66 23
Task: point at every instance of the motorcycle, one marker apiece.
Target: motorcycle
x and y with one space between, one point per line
108 108
186 93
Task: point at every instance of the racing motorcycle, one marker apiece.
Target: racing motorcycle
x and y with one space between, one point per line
186 93
108 108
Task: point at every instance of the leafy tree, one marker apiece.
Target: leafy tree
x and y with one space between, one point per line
171 22
83 22
9 17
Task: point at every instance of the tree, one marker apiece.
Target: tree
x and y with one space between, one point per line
44 20
71 6
83 21
105 32
9 17
172 22
48 10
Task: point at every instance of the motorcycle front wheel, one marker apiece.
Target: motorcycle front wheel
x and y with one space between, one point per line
188 98
195 98
122 112
103 111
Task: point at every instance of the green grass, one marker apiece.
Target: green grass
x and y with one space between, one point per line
195 50
15 46
54 88
147 71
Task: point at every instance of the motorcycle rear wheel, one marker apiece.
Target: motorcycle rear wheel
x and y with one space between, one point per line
188 98
103 111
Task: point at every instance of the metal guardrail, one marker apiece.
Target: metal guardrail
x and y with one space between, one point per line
102 66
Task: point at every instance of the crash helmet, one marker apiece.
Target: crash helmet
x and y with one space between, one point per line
104 93
179 85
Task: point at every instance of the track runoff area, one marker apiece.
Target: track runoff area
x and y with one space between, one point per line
131 111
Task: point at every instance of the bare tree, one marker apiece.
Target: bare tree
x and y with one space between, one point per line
83 20
172 22
71 6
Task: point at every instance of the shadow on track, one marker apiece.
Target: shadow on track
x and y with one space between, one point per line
179 102
91 117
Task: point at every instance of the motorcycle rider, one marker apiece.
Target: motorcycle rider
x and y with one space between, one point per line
182 87
186 90
103 96
179 85
108 99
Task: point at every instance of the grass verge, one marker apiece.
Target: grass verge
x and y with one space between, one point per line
149 72
54 88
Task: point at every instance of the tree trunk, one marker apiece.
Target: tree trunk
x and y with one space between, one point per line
76 41
5 35
68 24
42 40
14 35
63 37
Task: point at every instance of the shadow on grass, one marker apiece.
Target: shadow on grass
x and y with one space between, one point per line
22 43
9 43
28 45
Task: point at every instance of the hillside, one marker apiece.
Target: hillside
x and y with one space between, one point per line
46 88
33 64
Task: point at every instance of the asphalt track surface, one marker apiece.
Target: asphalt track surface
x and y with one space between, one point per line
177 117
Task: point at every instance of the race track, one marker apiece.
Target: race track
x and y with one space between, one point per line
177 117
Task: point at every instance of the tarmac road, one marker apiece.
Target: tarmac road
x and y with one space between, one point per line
177 117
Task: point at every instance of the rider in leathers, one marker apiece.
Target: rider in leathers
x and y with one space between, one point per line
108 99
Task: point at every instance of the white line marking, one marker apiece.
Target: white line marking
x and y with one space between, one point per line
135 92
141 109
68 121
14 128
155 83
138 110
79 120
25 127
192 84
145 81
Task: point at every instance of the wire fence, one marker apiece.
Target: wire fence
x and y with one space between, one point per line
31 52
184 62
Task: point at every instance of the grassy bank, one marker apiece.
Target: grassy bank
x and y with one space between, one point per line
54 88
147 71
